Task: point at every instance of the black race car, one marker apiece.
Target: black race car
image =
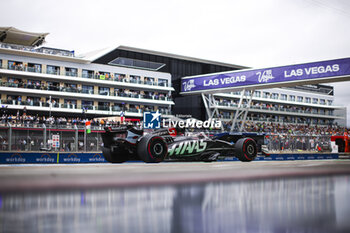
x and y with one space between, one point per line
129 143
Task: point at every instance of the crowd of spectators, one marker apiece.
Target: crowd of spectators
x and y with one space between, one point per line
60 122
250 126
279 137
290 129
35 84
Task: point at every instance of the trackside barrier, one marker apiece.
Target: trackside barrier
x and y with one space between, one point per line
53 158
66 157
301 156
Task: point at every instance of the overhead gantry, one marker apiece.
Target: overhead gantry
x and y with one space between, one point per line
247 81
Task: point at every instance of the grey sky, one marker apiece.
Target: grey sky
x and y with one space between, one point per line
255 33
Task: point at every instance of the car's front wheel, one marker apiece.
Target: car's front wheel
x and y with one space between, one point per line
152 149
246 149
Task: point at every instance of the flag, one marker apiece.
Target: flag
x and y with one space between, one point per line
88 126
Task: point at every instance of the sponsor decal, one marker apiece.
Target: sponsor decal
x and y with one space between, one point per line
187 147
306 71
188 85
264 76
151 120
45 158
97 158
315 70
16 158
72 158
172 132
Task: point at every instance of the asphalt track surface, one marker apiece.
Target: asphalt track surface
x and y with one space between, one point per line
49 177
260 196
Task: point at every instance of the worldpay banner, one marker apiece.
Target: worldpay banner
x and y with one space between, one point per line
307 71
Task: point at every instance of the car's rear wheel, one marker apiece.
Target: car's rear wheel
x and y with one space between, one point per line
113 157
152 149
246 149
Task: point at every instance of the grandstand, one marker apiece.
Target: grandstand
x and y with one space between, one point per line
51 81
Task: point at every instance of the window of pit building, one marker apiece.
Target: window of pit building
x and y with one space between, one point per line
323 101
103 91
148 108
275 96
88 74
257 94
283 97
54 102
53 86
14 82
33 84
0 63
300 99
87 104
73 72
163 110
120 77
149 81
53 70
86 89
307 100
32 67
330 102
117 107
266 94
134 108
70 103
15 65
13 99
314 100
148 95
162 82
33 100
292 98
103 106
70 87
135 79
103 75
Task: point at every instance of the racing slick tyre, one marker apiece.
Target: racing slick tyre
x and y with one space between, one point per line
113 158
152 149
246 149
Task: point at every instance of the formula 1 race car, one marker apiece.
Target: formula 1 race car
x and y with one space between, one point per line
129 143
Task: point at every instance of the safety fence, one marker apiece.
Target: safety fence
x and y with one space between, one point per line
41 137
298 143
74 138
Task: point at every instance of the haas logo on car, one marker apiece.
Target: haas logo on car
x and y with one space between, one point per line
188 147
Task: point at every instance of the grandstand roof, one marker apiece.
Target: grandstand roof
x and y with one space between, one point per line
107 55
13 35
